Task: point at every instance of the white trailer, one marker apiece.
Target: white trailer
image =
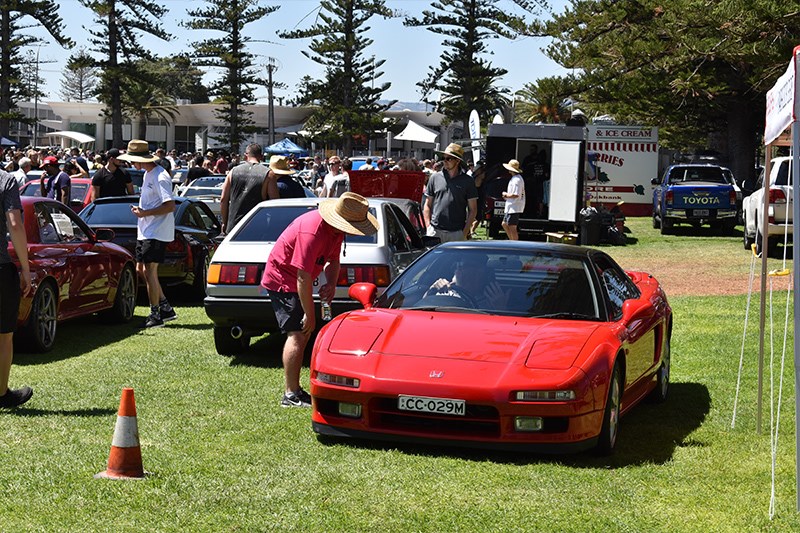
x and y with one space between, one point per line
622 161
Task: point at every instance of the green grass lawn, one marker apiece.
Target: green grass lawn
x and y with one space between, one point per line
224 456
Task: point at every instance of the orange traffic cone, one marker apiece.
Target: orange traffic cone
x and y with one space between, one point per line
125 459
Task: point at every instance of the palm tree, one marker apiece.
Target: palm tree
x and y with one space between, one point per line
545 100
142 101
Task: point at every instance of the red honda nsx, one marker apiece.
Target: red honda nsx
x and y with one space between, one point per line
496 344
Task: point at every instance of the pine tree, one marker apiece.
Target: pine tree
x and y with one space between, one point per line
699 70
118 26
464 80
79 78
346 101
234 89
12 40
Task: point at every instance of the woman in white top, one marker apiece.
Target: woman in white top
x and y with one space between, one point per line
337 182
515 200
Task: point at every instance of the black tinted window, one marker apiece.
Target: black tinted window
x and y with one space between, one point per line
111 214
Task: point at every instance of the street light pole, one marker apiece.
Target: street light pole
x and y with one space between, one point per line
271 109
36 100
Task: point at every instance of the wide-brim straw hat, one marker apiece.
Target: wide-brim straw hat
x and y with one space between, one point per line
513 166
279 164
454 150
349 213
138 152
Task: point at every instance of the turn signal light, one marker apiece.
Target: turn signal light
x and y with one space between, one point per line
544 395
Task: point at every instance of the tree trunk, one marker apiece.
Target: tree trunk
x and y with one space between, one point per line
5 68
745 119
113 72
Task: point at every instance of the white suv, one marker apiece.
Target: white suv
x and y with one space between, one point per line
780 207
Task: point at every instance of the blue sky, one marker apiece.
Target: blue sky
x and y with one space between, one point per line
409 52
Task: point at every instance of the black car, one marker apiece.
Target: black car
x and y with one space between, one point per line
187 257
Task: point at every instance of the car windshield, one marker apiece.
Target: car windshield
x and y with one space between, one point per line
503 282
112 214
77 191
267 224
202 191
210 181
696 174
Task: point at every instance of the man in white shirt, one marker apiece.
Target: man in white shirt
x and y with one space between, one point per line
156 227
21 174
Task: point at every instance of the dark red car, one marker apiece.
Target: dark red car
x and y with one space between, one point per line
80 193
75 271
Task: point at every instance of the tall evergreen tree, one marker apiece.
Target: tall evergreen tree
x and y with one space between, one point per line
12 41
697 69
116 34
79 78
179 78
346 101
143 100
464 79
234 89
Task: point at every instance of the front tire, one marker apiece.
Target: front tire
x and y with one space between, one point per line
659 394
43 322
610 429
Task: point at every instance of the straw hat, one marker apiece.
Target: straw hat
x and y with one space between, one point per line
454 150
513 166
349 213
138 152
279 164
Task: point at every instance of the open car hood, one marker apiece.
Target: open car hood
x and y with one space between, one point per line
539 343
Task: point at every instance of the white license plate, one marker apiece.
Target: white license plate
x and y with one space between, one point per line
424 404
499 211
701 212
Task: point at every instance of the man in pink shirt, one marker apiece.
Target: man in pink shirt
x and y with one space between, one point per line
310 245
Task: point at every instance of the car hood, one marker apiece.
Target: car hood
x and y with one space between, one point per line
389 333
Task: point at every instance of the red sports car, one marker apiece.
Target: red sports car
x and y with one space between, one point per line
75 271
508 345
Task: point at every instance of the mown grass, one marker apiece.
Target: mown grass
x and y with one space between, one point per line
223 456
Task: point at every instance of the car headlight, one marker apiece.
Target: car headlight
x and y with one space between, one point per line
544 395
342 381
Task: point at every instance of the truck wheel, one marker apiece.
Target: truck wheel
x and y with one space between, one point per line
656 222
666 226
729 228
748 240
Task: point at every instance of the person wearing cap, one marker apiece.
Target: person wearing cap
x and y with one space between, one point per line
111 179
13 284
55 183
156 228
337 182
515 200
310 245
451 199
245 186
282 173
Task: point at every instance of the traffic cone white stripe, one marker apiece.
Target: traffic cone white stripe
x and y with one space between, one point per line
126 432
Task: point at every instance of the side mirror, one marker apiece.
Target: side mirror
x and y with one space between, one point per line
104 234
655 181
634 310
364 293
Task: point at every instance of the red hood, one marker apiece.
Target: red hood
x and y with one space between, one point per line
552 344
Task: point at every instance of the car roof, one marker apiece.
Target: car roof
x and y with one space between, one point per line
532 246
135 198
373 202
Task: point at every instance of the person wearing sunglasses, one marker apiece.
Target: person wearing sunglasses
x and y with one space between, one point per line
337 182
451 199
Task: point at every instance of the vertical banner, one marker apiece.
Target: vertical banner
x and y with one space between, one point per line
475 134
780 104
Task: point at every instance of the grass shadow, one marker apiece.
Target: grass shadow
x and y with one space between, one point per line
649 434
265 352
75 337
24 411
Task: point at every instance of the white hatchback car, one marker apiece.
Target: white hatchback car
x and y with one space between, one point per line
780 208
240 308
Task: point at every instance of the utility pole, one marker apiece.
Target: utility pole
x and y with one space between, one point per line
271 109
36 101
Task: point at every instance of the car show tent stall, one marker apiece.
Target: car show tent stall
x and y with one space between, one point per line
285 147
783 110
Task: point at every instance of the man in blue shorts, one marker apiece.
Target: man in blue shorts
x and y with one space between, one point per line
12 285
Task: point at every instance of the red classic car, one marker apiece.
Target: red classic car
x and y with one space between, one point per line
501 344
74 271
79 194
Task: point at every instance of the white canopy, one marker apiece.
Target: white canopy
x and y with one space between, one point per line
417 132
80 138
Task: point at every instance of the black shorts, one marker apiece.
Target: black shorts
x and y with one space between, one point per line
511 219
9 297
288 310
150 251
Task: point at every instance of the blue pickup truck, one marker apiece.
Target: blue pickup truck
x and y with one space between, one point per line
694 194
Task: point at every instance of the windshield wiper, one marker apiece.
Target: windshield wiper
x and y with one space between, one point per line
447 309
571 316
